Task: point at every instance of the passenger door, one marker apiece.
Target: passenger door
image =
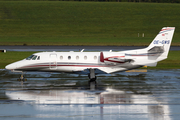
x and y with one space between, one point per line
53 61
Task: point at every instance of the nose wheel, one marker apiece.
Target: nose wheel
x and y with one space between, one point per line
21 78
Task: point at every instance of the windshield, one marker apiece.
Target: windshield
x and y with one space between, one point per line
30 57
33 57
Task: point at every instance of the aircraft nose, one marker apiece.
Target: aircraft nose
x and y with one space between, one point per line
11 66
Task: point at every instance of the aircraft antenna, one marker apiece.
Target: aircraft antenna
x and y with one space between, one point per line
82 50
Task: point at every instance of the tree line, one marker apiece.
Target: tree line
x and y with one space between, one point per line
150 1
155 1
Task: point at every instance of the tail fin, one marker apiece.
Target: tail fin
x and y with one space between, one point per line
161 44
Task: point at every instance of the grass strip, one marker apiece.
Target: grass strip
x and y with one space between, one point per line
85 23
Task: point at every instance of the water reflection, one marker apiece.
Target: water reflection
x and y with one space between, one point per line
108 96
110 102
152 95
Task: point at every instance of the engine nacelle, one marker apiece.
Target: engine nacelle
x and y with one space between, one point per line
108 57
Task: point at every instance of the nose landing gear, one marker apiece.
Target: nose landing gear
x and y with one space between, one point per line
21 78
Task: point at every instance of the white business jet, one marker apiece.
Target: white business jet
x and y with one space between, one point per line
93 63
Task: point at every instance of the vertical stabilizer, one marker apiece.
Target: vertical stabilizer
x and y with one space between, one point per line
162 41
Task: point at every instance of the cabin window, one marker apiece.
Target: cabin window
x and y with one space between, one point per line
85 57
95 57
69 57
38 58
77 57
61 57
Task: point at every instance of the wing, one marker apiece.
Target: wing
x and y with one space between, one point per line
87 71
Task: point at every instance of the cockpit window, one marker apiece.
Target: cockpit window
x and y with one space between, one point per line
30 57
33 57
38 58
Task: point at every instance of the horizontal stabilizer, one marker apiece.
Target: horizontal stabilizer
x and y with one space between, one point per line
151 64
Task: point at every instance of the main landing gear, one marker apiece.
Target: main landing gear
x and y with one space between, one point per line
92 81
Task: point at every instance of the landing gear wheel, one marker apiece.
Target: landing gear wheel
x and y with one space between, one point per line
92 77
92 85
22 79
